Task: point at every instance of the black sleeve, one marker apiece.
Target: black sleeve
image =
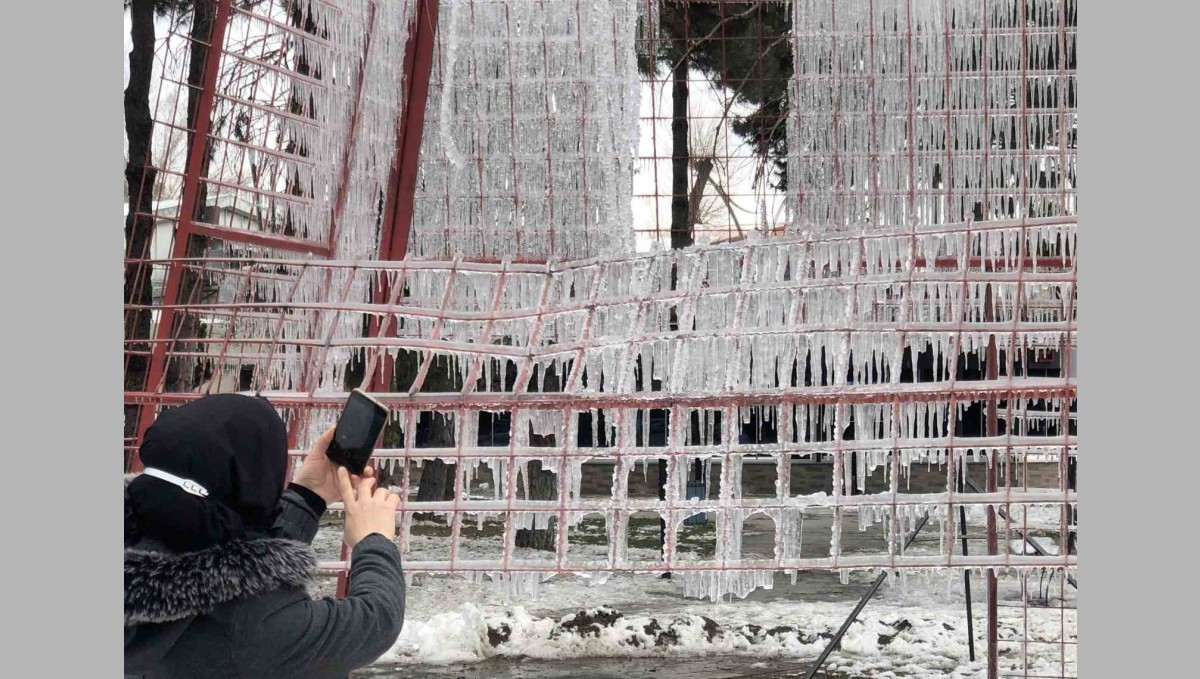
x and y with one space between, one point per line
310 498
299 516
329 638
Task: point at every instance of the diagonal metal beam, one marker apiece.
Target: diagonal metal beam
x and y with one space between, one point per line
862 603
188 209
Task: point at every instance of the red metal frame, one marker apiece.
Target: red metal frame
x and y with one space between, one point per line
187 212
418 65
402 184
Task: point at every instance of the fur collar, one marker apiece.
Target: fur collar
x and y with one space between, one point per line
161 586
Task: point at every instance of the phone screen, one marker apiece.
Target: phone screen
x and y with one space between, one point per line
357 430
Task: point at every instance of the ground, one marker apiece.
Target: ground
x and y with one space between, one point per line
634 626
708 667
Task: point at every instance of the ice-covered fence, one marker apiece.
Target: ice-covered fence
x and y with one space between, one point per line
530 131
932 111
814 331
301 126
277 141
937 111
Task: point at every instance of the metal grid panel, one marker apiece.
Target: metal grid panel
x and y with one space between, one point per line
529 131
274 123
597 337
932 111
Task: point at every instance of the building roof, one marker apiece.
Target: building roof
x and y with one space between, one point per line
170 208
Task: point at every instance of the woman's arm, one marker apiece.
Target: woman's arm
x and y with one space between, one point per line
326 639
315 486
329 638
300 511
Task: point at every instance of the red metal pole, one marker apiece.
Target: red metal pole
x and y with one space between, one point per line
402 184
993 543
187 211
418 66
992 629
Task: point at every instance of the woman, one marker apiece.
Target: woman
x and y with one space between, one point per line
218 554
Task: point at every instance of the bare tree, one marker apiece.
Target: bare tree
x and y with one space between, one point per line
715 163
140 177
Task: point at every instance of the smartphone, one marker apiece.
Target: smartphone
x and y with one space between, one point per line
358 429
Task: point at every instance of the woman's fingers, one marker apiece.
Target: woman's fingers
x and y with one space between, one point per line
347 488
322 442
373 511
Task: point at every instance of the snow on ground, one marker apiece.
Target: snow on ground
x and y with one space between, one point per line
916 630
904 634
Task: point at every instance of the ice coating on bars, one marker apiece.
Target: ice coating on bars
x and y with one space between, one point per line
530 131
886 259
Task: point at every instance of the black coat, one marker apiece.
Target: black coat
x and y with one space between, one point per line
241 609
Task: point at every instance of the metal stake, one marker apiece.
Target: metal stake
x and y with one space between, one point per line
837 638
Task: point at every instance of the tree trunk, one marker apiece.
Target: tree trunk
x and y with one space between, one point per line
681 233
681 223
437 482
140 179
541 485
1074 511
192 287
437 477
704 168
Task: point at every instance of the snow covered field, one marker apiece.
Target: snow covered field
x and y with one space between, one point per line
915 629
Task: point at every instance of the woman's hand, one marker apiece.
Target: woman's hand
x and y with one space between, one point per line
318 474
368 509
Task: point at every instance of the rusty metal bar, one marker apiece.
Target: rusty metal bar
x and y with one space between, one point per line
262 238
962 517
993 542
398 203
418 66
907 392
862 603
187 209
402 182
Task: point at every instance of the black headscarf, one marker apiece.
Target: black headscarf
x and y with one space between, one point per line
233 445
